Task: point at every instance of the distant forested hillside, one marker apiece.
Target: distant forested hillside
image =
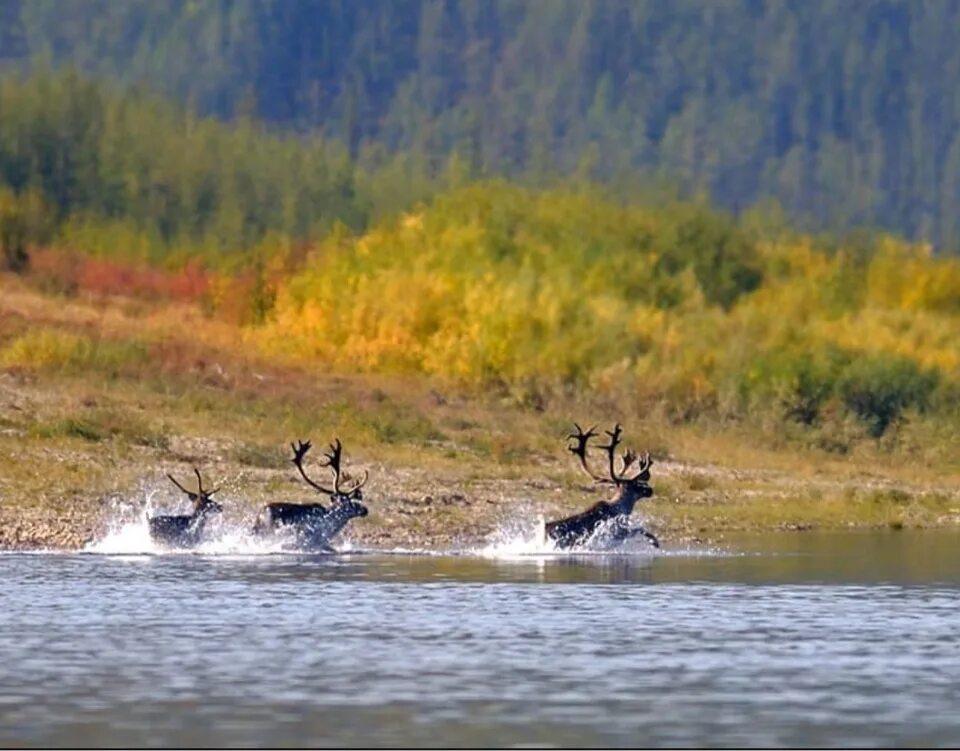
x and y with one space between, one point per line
846 111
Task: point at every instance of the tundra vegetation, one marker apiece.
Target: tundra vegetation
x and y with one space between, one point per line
179 291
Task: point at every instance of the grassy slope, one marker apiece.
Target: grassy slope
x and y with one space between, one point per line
163 389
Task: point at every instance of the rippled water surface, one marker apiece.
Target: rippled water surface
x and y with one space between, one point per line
800 640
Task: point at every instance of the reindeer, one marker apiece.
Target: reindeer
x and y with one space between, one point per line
313 524
185 531
610 518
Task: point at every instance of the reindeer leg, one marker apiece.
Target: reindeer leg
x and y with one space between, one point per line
316 543
638 530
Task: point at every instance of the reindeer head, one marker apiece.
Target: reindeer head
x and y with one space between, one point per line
202 503
633 479
349 501
350 504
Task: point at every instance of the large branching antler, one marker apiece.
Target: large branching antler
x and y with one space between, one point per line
359 483
643 463
300 450
204 493
200 495
332 461
611 449
629 457
582 438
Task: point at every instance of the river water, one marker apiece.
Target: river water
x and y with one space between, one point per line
794 639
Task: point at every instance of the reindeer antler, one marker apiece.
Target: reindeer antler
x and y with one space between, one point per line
611 448
189 493
645 464
332 460
200 495
359 483
203 493
582 438
628 458
299 452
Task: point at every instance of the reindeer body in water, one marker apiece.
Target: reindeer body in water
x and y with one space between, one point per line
312 525
185 531
606 521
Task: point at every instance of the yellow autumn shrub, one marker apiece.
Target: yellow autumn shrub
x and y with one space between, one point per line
497 284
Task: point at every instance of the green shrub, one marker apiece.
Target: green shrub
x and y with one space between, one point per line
810 382
879 389
25 219
102 425
721 255
796 385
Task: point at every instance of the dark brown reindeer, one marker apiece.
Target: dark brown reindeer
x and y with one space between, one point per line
606 519
313 524
185 531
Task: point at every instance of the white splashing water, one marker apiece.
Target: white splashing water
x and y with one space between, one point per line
523 539
129 534
127 531
517 538
133 538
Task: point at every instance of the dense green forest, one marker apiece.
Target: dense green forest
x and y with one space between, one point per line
846 113
128 174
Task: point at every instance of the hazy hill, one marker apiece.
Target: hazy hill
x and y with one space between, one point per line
846 112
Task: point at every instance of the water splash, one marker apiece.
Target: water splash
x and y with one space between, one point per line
133 538
516 538
521 539
128 532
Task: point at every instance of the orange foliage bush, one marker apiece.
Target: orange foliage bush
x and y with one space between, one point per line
72 272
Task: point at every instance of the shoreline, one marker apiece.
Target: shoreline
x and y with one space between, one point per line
39 535
410 510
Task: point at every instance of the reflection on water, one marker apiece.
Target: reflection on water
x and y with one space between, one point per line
836 640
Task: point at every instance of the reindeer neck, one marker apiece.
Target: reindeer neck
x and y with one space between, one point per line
201 515
337 518
625 499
